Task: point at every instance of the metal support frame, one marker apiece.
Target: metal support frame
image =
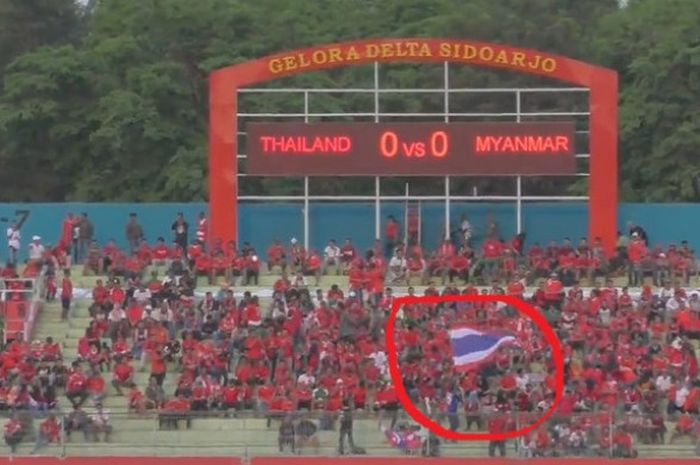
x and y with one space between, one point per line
446 115
446 103
518 179
377 181
306 182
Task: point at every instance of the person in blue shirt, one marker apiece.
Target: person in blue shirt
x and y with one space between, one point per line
454 400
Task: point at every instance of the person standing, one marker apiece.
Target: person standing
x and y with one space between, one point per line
134 232
85 235
179 229
391 236
14 433
36 250
454 400
13 242
497 425
67 232
346 431
202 230
66 294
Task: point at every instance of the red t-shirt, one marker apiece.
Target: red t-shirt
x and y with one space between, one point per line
76 382
491 249
123 371
313 263
392 230
96 384
66 288
161 252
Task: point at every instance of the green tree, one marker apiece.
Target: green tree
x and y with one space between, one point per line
655 46
109 101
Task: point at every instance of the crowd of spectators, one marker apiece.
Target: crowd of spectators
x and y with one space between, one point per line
631 363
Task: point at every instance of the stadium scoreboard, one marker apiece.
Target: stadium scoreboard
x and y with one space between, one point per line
410 149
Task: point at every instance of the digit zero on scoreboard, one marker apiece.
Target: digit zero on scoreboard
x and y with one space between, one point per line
410 149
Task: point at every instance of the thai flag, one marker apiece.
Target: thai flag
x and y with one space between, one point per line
471 347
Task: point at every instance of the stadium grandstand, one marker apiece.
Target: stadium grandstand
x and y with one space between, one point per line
408 261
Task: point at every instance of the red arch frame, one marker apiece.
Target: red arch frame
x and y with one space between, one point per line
601 82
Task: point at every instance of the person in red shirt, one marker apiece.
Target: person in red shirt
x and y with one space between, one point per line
136 399
69 223
491 251
51 351
391 236
276 256
99 294
221 263
144 253
76 386
623 445
14 433
347 254
96 386
202 233
636 252
497 425
313 266
684 427
158 367
203 267
49 432
66 294
553 290
160 253
122 376
443 260
194 250
173 411
133 267
251 270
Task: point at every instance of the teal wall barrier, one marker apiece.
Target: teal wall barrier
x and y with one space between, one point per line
260 223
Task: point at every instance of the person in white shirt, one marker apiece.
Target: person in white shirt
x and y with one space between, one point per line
100 423
380 361
674 304
664 382
465 228
142 295
116 318
681 395
522 380
331 255
307 379
397 268
36 249
667 291
13 242
299 281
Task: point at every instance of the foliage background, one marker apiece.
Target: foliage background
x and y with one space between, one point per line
106 99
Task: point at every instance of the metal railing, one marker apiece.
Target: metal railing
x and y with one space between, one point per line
32 296
450 111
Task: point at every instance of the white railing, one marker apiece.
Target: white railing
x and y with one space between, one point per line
450 111
33 300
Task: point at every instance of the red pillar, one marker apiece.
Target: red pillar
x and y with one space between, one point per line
223 163
603 182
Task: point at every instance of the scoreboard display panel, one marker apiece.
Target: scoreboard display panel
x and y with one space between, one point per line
410 149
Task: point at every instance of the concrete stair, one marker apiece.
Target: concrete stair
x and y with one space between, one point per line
220 436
